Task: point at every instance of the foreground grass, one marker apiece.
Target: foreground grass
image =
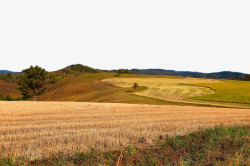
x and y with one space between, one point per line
217 146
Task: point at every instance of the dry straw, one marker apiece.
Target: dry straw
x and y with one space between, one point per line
38 129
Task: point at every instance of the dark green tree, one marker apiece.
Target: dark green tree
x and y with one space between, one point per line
33 82
6 77
123 71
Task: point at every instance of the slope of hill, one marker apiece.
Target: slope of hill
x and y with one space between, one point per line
9 89
83 83
217 75
96 88
91 88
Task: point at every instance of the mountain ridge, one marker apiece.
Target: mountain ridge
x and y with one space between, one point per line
78 69
8 71
215 75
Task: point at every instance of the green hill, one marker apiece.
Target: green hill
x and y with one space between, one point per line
78 69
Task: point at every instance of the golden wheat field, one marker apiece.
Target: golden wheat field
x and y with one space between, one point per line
184 89
37 129
167 88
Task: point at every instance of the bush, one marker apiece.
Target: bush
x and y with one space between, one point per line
123 71
9 98
6 77
135 86
1 97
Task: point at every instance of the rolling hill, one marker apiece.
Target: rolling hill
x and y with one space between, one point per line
78 69
85 84
91 88
156 90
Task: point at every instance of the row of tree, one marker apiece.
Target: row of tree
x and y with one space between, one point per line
9 77
123 71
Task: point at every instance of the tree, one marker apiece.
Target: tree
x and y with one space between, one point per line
123 71
135 86
119 72
32 82
6 77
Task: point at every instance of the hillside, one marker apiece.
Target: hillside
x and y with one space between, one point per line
91 88
9 89
83 83
158 90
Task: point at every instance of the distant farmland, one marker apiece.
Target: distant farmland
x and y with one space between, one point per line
181 89
156 90
37 129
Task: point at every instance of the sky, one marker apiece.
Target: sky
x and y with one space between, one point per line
194 35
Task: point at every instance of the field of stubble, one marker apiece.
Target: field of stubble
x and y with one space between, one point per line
38 129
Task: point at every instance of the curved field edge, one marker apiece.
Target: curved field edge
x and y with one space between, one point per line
215 146
206 92
91 88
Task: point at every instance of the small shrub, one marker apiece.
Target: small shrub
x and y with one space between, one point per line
135 86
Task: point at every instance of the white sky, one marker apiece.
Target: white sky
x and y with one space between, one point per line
194 35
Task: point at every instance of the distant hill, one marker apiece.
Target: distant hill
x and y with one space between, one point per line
218 75
7 71
78 69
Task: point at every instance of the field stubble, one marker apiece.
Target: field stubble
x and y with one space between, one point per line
225 93
41 129
166 88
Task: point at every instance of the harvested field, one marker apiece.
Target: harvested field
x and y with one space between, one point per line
37 129
226 93
167 88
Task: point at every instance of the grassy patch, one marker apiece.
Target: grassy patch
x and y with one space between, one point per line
217 146
227 91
